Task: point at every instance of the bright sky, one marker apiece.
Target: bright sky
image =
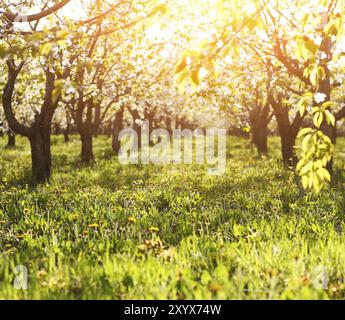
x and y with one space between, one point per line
73 10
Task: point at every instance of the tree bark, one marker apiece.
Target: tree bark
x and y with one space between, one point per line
11 143
288 142
87 155
118 126
136 126
66 135
41 155
288 130
85 129
259 137
259 119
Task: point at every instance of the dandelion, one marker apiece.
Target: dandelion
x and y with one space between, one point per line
93 225
153 229
132 219
26 210
41 274
215 287
319 97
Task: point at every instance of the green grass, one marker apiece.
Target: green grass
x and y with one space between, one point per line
250 233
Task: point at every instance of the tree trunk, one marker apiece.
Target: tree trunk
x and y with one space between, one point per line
66 135
11 139
87 155
85 129
41 155
288 134
259 117
109 129
118 126
288 141
288 130
136 126
168 122
259 137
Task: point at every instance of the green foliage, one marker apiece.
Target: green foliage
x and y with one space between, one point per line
316 151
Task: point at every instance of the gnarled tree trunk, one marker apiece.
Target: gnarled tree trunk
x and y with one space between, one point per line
40 132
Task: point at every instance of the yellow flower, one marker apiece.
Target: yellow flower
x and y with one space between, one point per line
26 210
93 225
132 219
153 229
215 287
41 273
2 221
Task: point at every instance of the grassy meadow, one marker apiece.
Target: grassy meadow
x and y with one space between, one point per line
169 232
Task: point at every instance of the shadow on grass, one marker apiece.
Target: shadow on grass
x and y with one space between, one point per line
123 175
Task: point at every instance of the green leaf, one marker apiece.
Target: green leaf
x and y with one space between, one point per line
304 132
205 277
318 119
329 104
45 49
3 51
181 80
329 117
195 77
314 77
303 103
181 65
62 34
311 46
324 174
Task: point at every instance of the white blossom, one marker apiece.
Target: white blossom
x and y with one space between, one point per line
319 97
